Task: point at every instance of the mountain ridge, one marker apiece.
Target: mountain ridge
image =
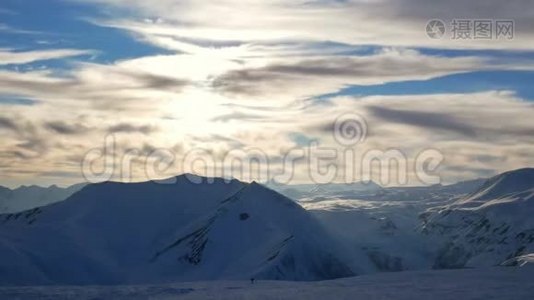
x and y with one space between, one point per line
488 227
153 232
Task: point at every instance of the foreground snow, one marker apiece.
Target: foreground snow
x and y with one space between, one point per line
496 283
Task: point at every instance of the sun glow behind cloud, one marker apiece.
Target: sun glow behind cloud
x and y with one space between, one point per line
233 75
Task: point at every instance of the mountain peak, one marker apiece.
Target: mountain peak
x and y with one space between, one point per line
502 185
181 230
518 174
198 179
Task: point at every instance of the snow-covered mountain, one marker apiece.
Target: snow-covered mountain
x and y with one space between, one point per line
191 228
28 197
384 223
188 228
490 226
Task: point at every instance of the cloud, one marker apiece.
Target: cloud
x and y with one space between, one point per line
255 74
66 128
23 57
104 87
9 124
462 126
466 128
8 29
237 116
297 78
25 140
129 128
386 22
429 120
35 144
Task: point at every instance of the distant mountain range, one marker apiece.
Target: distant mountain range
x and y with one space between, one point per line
304 191
26 197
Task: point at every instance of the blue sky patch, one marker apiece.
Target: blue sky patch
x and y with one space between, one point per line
517 81
57 24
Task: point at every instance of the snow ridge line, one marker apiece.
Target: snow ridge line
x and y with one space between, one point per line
198 238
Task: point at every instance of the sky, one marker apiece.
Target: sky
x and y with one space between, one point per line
136 90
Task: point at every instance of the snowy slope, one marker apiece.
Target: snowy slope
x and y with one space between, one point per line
487 227
28 197
112 233
466 284
4 191
522 260
385 223
500 186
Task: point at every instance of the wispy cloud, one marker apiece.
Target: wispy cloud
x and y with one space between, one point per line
429 120
7 123
8 29
9 56
131 128
65 128
306 77
387 23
